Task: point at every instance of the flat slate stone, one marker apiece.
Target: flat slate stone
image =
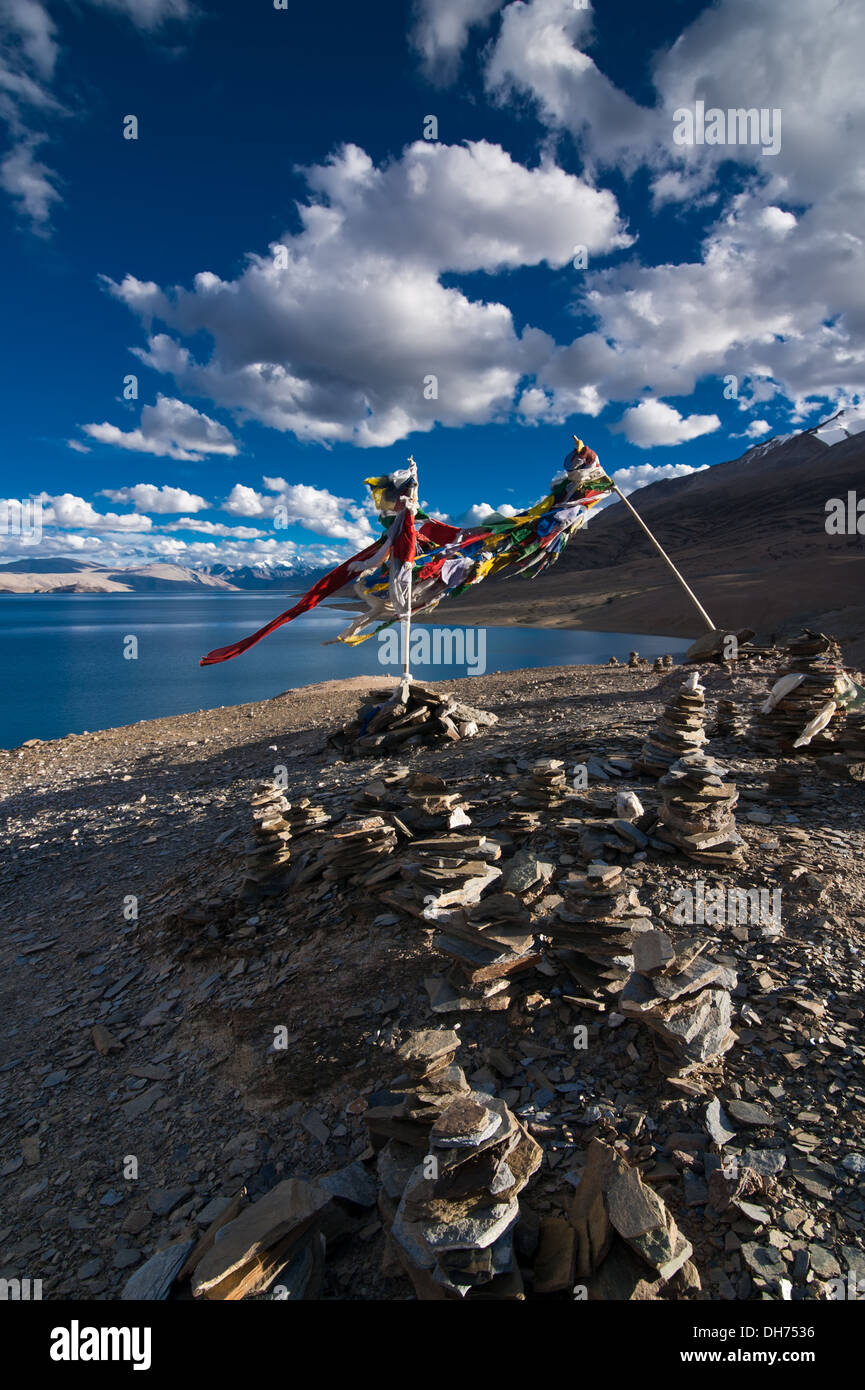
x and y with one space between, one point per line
718 1126
152 1282
354 1183
290 1206
466 1123
745 1113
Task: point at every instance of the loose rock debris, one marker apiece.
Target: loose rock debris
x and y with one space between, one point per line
235 1044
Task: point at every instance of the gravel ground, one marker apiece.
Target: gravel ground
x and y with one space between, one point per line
119 897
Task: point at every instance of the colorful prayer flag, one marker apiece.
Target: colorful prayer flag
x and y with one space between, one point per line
442 559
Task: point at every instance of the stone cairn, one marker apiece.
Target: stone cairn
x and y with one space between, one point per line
679 730
803 695
518 823
408 716
276 821
683 997
350 853
697 812
726 719
355 847
266 851
490 942
613 839
544 787
594 928
662 663
452 1163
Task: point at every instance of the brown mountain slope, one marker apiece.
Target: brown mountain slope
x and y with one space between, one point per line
749 536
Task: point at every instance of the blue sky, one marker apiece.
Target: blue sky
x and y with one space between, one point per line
283 260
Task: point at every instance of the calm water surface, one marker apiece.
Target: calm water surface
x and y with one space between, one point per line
62 668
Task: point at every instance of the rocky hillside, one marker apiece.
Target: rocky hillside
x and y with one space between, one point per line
749 536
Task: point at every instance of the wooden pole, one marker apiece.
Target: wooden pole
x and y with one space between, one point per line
411 505
665 557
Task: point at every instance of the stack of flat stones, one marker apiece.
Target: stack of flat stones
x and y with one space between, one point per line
816 660
697 812
488 944
408 716
683 996
544 787
518 823
679 730
452 1169
443 872
354 849
726 719
594 927
266 852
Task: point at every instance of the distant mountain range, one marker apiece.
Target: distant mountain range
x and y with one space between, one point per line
60 575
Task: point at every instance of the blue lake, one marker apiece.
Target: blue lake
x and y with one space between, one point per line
64 671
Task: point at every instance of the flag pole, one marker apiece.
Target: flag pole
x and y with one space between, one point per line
665 557
412 506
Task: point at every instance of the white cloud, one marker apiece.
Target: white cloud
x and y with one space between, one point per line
630 480
441 31
477 515
300 504
292 343
29 58
652 423
214 528
757 428
776 298
540 51
152 497
29 182
66 509
171 429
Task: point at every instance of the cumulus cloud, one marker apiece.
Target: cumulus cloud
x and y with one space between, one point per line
776 296
169 429
67 510
300 504
292 344
652 423
757 428
540 51
214 528
630 480
153 497
441 30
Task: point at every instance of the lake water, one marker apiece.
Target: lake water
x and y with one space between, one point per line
63 670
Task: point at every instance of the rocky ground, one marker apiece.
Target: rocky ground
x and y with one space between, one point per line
138 1078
